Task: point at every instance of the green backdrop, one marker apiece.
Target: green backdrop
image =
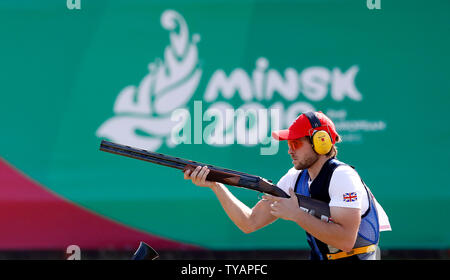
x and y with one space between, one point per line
116 70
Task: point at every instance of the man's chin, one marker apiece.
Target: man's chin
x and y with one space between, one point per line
298 166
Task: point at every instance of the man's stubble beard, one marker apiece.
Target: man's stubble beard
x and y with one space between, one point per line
307 162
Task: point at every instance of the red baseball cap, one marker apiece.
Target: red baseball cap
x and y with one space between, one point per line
302 127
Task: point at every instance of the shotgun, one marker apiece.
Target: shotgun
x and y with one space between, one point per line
230 177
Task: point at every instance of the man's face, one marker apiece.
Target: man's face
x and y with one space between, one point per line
302 153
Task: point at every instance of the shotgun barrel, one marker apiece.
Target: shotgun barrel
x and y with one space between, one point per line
230 177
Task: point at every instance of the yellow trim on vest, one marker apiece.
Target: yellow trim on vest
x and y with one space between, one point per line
354 251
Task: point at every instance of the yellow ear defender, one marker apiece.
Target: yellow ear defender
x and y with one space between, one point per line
321 142
320 139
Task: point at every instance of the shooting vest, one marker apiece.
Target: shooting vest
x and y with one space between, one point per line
368 233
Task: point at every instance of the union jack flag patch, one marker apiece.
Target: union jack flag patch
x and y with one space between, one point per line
350 197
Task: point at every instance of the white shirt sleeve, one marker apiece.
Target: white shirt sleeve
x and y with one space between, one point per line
288 180
347 190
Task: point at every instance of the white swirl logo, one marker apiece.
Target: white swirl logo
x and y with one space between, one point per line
143 114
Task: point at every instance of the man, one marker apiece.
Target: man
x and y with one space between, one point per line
353 233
